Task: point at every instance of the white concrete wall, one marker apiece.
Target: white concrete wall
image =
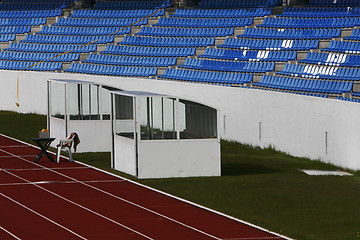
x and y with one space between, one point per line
294 124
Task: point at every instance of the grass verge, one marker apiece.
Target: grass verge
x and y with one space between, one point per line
261 186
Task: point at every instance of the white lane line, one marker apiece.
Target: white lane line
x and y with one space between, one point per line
79 205
169 195
8 232
42 169
19 156
122 199
39 214
66 182
13 146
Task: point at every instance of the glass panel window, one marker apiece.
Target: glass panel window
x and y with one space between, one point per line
94 102
124 122
83 101
74 102
105 103
157 118
197 121
168 114
57 99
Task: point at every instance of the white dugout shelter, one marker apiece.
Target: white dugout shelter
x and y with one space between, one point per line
81 107
157 136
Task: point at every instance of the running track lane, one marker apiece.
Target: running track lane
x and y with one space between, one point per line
69 200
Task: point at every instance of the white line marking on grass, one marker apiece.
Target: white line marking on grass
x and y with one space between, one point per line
39 214
80 206
167 194
11 234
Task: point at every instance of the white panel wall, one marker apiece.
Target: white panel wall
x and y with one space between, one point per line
125 154
95 135
166 158
294 124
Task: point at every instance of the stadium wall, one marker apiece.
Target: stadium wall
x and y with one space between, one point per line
317 128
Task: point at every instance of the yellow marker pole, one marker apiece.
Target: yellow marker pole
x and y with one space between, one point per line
58 55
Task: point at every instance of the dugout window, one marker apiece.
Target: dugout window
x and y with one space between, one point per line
83 102
196 121
124 116
57 93
105 102
157 118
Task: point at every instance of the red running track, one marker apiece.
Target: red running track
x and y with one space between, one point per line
70 200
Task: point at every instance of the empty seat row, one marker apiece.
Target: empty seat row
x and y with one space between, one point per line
221 13
168 41
323 72
100 22
334 3
227 66
185 32
64 39
332 59
207 77
131 4
15 29
7 37
45 66
343 47
239 3
306 85
356 94
355 35
204 22
84 30
33 6
227 54
136 13
243 43
22 21
112 70
149 51
38 57
348 99
291 33
51 48
30 14
130 61
321 12
342 22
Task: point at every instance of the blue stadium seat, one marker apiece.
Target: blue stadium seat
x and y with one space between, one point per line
207 77
307 85
291 33
204 22
185 32
332 59
228 66
263 44
227 54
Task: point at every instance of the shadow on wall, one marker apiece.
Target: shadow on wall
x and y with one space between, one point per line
237 169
